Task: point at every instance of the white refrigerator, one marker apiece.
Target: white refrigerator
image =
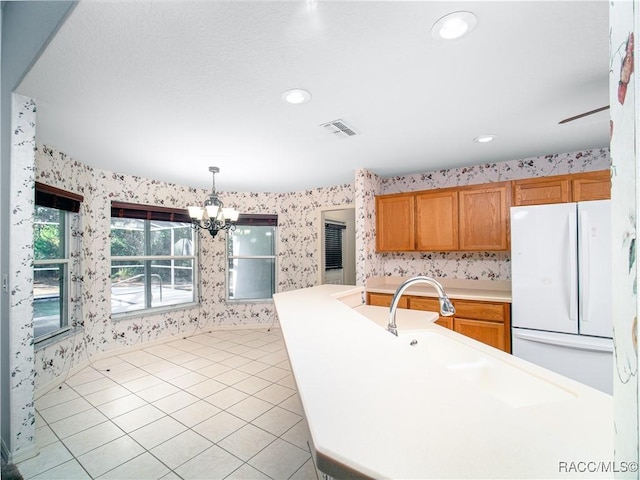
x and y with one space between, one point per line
561 289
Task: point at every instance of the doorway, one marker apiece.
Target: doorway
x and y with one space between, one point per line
337 238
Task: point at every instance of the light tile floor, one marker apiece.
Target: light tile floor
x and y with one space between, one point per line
212 406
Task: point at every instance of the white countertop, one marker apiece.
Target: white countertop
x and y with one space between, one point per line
461 289
377 407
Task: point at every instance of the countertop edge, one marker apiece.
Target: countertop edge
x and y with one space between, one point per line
328 343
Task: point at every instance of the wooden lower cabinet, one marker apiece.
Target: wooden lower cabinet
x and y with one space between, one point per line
487 322
491 333
430 305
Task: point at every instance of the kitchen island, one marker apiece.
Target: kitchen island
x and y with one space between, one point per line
378 407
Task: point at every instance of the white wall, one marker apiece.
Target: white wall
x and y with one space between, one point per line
26 29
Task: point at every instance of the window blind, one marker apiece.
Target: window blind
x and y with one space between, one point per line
258 219
333 245
149 212
52 197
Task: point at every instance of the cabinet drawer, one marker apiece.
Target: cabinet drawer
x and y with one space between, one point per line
493 312
384 300
424 303
431 305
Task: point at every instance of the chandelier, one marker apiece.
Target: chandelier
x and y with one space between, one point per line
214 216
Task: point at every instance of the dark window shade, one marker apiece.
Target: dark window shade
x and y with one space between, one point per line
257 219
52 197
149 212
333 246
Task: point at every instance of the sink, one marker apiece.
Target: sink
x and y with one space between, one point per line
408 320
504 381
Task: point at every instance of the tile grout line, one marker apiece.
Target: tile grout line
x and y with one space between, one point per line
249 359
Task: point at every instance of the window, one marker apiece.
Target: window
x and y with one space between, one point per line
153 262
54 247
333 232
251 258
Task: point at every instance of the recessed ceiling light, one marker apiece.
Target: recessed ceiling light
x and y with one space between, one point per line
484 138
453 25
296 96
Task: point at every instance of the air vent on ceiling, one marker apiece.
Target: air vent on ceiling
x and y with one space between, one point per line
339 128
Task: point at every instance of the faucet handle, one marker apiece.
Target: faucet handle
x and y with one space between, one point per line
446 307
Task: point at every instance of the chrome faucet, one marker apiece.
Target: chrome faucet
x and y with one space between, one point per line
446 307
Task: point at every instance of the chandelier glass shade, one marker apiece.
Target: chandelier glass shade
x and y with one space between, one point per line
213 216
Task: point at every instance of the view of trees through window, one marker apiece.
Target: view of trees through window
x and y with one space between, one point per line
152 264
51 266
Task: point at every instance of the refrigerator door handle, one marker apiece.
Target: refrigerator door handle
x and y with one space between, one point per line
573 266
585 267
563 341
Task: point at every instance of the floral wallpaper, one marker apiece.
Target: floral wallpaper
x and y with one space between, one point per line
297 258
368 262
97 333
624 20
476 265
21 365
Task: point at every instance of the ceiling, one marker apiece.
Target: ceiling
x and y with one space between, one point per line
165 89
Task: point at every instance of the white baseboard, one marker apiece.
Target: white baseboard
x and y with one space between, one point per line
4 451
24 454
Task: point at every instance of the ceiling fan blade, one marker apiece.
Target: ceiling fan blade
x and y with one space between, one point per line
570 119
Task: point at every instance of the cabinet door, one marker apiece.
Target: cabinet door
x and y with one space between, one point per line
540 191
484 216
437 221
491 333
384 300
430 305
592 186
395 215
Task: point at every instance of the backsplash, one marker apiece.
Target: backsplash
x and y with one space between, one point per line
477 265
298 228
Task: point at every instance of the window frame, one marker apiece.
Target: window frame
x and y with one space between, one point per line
260 220
67 204
148 214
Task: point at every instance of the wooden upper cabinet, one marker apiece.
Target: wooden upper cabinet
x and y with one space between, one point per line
484 217
591 186
437 220
473 218
539 191
577 187
395 222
